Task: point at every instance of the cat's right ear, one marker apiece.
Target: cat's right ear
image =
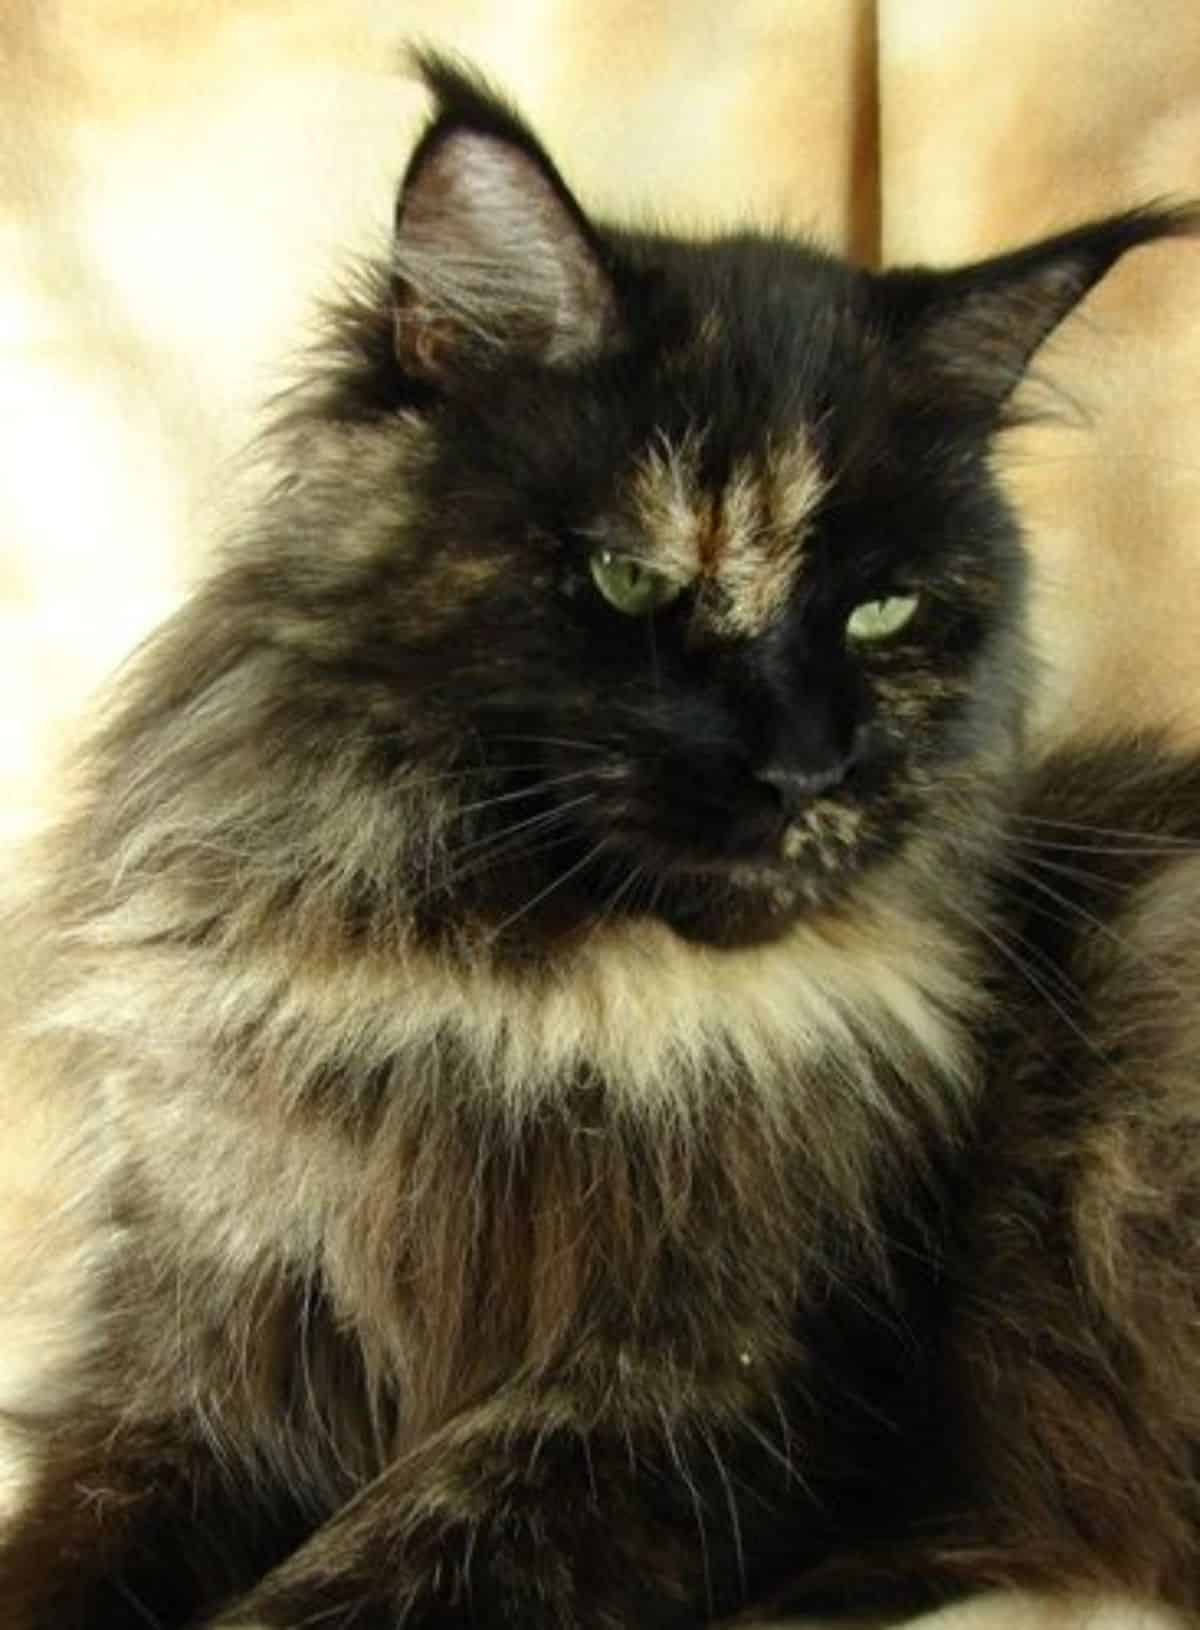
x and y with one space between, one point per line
492 258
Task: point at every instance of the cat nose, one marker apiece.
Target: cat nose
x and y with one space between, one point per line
795 788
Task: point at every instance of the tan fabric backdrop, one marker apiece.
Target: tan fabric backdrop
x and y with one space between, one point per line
178 177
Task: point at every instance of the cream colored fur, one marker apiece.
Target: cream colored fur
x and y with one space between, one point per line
754 540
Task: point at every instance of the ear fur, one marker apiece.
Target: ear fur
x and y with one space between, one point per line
976 327
492 256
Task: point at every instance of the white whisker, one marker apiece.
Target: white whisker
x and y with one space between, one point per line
1073 913
531 791
532 822
1018 956
549 889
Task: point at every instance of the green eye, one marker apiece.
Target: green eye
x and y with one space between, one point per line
880 619
630 587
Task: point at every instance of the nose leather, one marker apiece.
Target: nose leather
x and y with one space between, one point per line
797 788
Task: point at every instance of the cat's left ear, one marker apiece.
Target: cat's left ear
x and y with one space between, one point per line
973 330
492 257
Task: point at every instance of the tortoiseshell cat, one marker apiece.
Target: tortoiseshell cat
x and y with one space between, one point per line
612 1093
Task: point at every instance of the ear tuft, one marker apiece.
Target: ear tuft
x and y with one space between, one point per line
975 328
492 257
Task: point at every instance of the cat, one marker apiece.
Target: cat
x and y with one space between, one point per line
614 1087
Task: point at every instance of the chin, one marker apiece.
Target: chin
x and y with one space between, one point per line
725 901
734 913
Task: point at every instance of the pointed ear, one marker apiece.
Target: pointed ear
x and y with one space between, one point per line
492 257
973 330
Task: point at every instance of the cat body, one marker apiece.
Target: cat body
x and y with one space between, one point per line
592 1107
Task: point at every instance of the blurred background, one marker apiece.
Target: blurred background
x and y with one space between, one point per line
178 178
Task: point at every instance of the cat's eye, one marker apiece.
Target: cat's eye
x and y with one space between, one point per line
631 587
879 619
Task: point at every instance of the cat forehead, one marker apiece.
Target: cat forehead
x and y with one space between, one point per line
742 540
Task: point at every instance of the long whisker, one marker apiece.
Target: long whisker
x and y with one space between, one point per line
525 838
523 851
1075 912
528 840
530 791
549 889
570 742
526 847
475 772
1140 840
1152 849
1014 859
529 823
626 889
1022 965
1090 877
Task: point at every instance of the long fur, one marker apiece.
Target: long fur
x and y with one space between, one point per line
573 1112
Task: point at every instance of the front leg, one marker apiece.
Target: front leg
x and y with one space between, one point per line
134 1525
517 1515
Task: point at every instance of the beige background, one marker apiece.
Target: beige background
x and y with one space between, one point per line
178 179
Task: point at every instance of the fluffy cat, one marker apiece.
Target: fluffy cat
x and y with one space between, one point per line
610 1089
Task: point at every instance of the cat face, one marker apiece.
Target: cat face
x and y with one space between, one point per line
721 651
676 566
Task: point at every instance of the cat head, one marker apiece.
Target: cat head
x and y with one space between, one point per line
673 567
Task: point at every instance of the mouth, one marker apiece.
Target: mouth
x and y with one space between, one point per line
725 900
718 871
733 886
734 908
